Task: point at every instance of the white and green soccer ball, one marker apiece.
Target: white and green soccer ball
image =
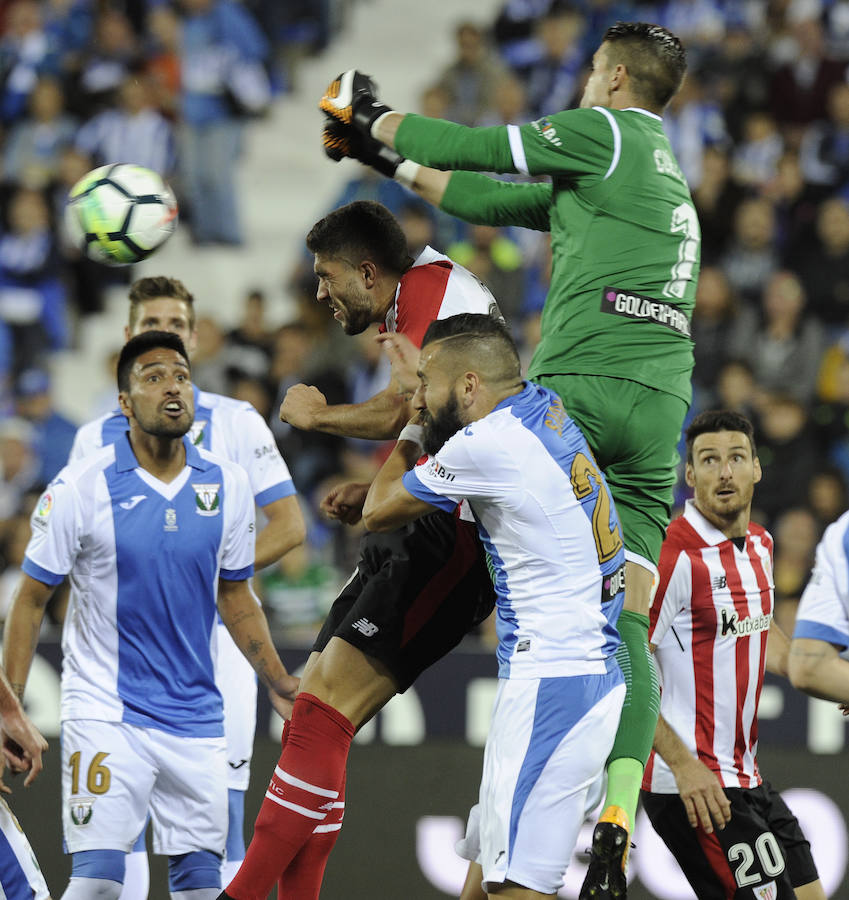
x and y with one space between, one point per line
119 214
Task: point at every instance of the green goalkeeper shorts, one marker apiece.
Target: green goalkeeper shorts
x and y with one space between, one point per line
633 431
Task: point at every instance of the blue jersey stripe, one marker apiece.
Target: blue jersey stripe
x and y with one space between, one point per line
561 704
43 575
506 620
13 879
275 492
417 489
236 574
167 562
806 629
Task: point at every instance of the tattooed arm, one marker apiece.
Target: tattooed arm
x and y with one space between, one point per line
246 622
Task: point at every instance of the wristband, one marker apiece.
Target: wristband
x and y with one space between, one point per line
406 173
376 123
412 433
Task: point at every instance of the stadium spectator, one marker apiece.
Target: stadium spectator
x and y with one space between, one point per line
551 65
799 89
106 61
754 161
714 319
470 82
751 254
223 52
32 295
35 143
53 433
716 199
693 122
823 263
25 55
781 343
789 455
134 131
824 149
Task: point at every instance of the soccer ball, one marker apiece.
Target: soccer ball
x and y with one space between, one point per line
121 213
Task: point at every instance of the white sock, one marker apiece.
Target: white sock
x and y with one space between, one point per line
196 894
92 889
228 870
136 876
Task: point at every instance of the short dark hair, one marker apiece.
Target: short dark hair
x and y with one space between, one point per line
362 230
141 343
718 420
654 57
475 337
156 286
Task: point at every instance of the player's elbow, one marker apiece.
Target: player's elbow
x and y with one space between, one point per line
377 517
804 672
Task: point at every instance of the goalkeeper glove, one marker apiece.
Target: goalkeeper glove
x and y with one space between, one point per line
351 99
344 140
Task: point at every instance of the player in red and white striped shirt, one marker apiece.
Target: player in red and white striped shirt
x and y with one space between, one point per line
416 591
712 634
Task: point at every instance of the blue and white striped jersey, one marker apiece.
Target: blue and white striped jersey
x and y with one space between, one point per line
824 608
548 522
229 428
144 558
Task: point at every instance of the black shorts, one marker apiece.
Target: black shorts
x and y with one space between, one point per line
415 594
762 843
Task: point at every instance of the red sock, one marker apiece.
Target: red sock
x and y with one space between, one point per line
302 880
303 789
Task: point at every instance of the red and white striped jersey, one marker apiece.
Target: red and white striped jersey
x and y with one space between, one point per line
436 288
709 621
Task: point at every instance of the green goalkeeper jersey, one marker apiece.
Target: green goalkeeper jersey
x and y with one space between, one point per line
625 236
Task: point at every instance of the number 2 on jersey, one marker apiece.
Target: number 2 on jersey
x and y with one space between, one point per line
684 222
584 475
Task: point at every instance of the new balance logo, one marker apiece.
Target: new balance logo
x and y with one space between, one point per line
369 629
719 583
133 501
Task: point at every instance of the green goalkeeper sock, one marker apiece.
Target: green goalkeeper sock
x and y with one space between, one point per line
639 714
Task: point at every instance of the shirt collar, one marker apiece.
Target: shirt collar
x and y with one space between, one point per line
707 531
527 391
125 459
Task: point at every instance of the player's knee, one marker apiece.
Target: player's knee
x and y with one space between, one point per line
96 875
194 871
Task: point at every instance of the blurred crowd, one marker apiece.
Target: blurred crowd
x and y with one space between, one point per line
760 127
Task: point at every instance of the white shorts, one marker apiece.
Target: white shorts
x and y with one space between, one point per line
548 742
113 773
236 680
20 875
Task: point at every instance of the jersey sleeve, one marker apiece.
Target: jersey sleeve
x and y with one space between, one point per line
446 145
482 200
570 144
256 452
57 524
239 534
420 299
673 593
465 468
86 440
823 612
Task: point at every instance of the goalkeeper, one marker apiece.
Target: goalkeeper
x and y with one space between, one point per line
616 340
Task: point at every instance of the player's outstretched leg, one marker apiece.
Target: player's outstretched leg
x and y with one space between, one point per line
605 878
305 784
